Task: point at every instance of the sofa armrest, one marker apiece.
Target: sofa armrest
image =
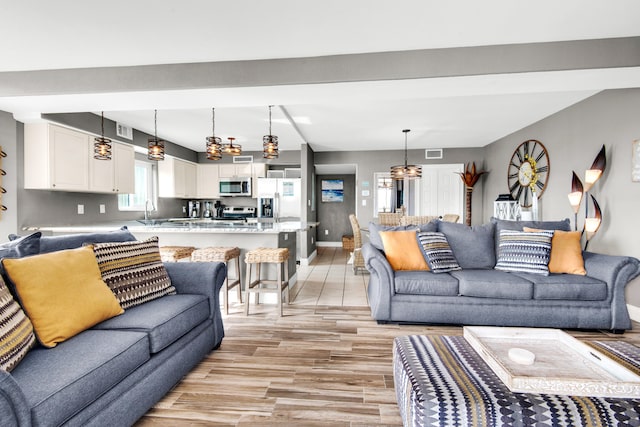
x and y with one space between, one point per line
203 278
381 282
616 272
14 410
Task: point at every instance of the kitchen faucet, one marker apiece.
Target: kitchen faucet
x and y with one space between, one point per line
147 210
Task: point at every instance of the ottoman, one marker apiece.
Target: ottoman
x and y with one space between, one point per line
442 381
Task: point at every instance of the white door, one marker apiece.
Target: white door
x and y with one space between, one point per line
441 190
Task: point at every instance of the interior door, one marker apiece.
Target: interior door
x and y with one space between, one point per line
441 190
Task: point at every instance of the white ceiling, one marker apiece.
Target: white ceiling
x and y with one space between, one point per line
444 111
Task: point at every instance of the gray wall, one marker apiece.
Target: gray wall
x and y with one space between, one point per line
573 138
8 137
334 216
369 162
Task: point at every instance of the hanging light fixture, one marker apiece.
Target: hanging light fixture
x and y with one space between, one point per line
231 149
214 144
155 145
270 143
400 172
102 145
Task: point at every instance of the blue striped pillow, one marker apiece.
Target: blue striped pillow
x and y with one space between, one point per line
437 252
524 252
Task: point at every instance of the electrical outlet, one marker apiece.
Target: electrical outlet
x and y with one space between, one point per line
80 209
326 232
103 209
312 240
286 236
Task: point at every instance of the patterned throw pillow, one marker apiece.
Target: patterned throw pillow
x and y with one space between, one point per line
16 331
437 252
133 271
524 252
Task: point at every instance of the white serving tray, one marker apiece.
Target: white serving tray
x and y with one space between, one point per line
563 364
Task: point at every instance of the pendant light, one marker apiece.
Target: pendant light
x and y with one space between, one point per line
102 145
214 144
155 145
270 143
400 172
231 149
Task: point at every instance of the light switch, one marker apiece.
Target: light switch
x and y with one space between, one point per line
103 209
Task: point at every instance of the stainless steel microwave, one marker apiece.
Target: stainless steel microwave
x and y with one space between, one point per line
238 186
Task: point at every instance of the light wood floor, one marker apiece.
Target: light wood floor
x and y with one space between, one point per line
325 363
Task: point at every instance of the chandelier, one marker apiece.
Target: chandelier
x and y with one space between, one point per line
231 149
155 145
214 144
102 145
400 172
270 143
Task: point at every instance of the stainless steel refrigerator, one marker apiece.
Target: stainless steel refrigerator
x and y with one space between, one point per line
279 199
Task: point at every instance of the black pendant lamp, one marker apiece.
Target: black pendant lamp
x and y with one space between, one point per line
102 145
155 145
270 143
214 144
400 172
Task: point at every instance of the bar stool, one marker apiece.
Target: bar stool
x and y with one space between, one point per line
222 254
175 253
259 256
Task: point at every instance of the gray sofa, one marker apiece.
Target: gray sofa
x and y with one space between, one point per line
113 373
480 295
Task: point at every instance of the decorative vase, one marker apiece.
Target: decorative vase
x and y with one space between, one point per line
467 215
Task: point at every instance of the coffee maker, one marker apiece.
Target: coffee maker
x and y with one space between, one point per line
194 209
207 213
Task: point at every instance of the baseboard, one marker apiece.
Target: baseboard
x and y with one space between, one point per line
634 312
329 244
307 261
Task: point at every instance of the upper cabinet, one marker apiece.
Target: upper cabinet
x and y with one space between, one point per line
116 175
177 178
208 182
55 158
232 170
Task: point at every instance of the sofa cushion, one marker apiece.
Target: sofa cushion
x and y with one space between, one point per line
71 241
566 287
134 271
60 382
566 252
402 250
375 229
425 283
473 247
502 224
165 320
492 284
525 252
20 247
16 331
437 252
61 292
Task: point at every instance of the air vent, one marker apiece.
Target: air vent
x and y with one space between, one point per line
243 159
124 131
433 153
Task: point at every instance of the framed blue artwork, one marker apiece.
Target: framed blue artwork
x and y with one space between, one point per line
332 190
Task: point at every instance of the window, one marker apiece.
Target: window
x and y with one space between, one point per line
145 189
383 196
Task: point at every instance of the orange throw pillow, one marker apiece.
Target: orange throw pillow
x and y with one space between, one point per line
566 252
402 250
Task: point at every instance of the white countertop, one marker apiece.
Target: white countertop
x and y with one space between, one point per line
186 227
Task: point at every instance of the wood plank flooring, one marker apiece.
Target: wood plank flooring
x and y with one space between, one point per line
325 363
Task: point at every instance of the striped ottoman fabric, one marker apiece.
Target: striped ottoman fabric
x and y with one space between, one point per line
442 381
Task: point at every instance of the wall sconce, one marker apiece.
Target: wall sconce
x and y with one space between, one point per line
155 146
591 224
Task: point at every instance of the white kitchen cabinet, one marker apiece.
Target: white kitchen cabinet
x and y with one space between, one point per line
258 170
55 158
208 182
116 175
231 170
176 178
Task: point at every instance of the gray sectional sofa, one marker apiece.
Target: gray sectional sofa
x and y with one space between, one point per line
113 373
478 294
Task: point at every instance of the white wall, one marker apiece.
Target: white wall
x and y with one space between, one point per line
573 138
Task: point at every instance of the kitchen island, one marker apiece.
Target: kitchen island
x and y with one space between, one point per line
205 233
